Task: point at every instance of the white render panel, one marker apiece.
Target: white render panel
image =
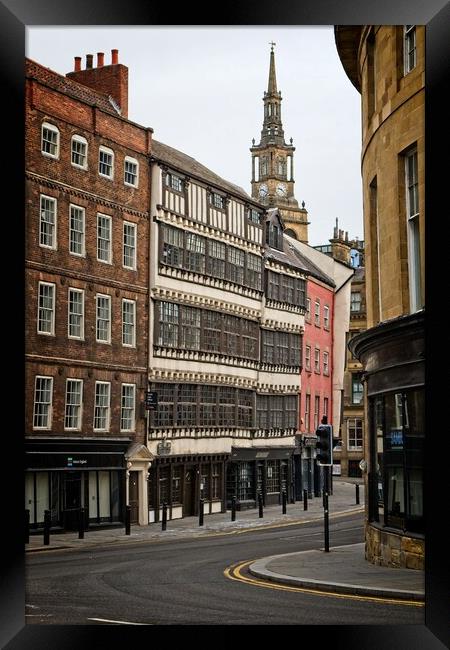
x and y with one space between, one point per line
281 317
212 293
206 446
201 367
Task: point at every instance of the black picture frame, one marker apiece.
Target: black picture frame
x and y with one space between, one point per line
15 15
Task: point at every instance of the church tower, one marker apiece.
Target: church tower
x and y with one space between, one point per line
273 164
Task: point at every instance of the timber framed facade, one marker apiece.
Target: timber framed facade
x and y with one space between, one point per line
225 358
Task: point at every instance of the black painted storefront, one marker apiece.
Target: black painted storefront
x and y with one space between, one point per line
393 356
181 481
265 470
63 475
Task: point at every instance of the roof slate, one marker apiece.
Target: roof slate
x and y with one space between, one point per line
183 162
69 86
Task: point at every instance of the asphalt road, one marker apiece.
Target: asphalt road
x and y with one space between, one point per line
182 582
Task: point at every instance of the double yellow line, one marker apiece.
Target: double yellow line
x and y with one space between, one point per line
234 572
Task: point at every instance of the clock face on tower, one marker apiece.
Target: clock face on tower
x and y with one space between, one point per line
281 189
263 190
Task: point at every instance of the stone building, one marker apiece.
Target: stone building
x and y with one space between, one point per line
227 309
86 275
273 164
386 65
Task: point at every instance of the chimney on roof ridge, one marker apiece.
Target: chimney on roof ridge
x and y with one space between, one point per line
107 79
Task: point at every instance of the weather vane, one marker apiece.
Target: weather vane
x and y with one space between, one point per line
272 44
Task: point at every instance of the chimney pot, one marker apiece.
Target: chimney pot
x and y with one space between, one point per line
77 66
89 58
114 57
100 59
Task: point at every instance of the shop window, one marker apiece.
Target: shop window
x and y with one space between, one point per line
272 476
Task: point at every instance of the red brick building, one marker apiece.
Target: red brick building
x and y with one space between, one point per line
86 312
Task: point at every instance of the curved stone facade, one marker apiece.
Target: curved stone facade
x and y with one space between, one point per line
386 64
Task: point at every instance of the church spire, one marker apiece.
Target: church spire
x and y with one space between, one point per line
272 87
272 126
273 163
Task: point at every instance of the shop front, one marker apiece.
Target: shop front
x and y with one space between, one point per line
180 481
263 470
394 360
63 476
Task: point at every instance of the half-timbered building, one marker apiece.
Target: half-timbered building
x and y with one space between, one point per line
226 317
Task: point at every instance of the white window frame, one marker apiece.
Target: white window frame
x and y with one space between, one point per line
83 141
107 406
109 152
131 409
413 230
107 217
307 357
49 404
355 447
50 127
326 363
79 407
308 310
54 225
133 226
72 206
326 317
133 324
133 161
108 297
69 314
317 313
353 302
409 34
317 360
52 322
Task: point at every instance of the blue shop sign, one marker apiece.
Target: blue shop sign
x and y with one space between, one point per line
395 439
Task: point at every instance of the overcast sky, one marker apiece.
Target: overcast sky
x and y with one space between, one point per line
201 91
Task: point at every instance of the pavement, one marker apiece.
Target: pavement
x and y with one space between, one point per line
341 570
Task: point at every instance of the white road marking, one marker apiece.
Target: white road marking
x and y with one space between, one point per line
106 620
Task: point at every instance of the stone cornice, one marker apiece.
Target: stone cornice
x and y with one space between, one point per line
83 194
85 277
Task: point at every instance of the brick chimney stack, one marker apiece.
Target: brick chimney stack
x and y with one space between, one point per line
110 80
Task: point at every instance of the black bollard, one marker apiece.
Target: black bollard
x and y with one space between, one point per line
127 520
305 499
164 516
27 526
46 527
260 505
283 501
81 523
201 512
233 509
357 493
